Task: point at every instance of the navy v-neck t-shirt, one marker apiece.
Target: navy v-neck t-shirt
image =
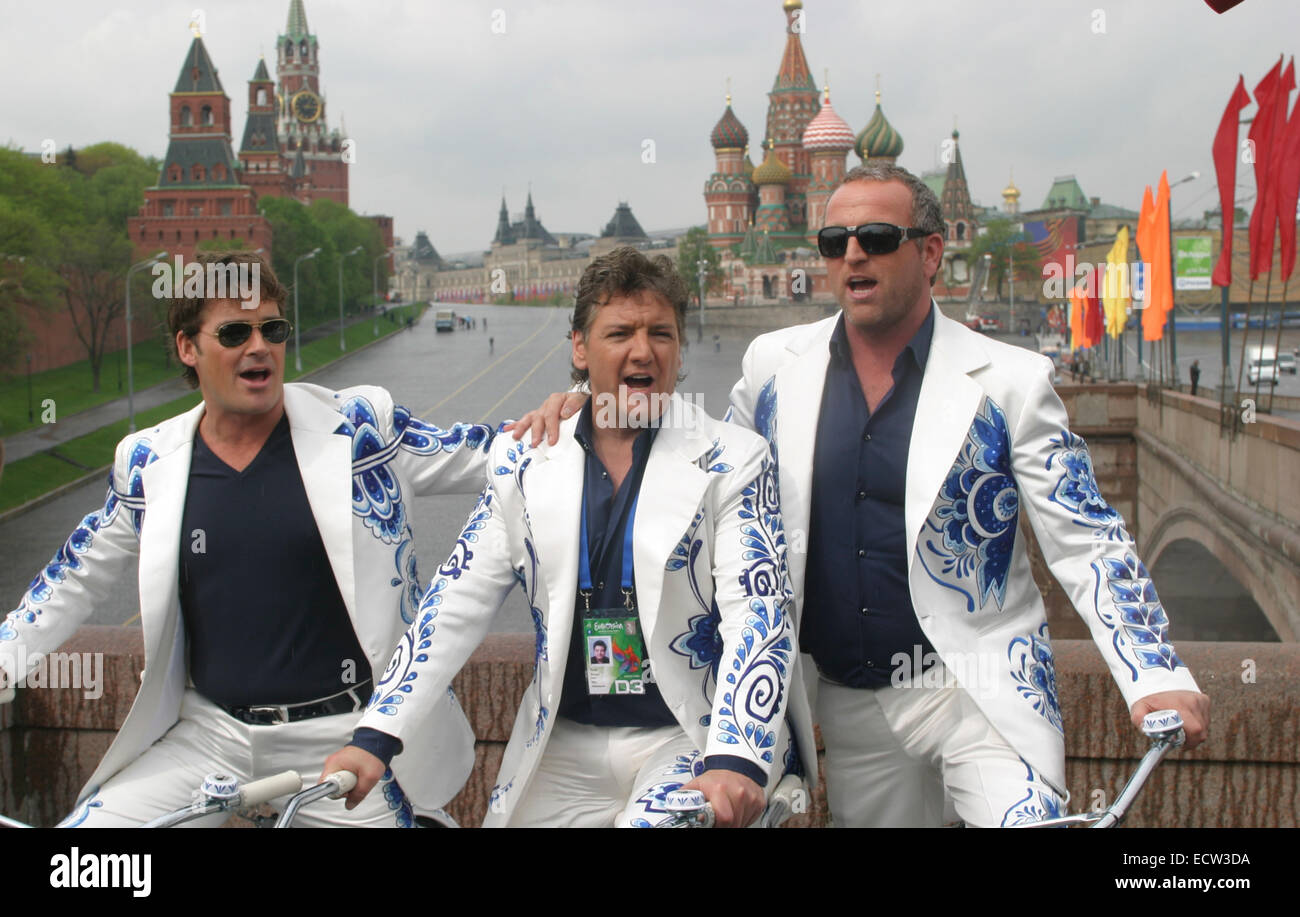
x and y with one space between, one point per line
264 617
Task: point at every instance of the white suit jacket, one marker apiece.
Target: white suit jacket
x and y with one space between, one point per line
361 458
711 586
990 438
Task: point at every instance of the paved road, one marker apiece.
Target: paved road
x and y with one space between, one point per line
443 378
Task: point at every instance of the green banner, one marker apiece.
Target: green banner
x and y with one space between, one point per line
1193 262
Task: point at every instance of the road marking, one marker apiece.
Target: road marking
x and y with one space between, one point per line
128 621
428 412
492 410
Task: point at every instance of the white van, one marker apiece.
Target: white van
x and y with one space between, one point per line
1261 365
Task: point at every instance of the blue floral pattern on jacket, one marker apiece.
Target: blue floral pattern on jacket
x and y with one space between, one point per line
68 558
1132 612
1034 672
975 513
1077 490
376 491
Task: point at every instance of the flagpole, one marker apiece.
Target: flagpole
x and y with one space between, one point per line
1263 332
1245 334
1277 345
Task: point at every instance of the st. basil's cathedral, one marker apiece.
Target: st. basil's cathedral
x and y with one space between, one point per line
764 219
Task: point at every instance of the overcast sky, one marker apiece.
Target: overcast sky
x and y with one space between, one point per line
447 113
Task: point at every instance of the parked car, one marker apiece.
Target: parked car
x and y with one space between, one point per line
990 322
1286 362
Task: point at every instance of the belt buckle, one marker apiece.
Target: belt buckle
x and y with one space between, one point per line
279 711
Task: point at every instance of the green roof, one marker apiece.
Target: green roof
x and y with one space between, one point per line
197 73
261 75
187 152
935 181
296 27
1065 194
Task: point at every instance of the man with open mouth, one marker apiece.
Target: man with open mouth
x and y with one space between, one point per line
648 525
277 569
908 446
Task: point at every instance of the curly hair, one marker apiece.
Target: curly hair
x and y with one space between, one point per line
624 271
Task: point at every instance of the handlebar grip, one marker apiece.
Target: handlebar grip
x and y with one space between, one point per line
344 780
268 788
1162 722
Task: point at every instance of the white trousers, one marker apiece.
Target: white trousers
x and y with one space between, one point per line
892 752
205 740
607 776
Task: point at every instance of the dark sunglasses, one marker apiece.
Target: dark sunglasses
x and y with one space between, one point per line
875 238
232 334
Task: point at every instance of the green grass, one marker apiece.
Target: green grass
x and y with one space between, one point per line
70 386
31 477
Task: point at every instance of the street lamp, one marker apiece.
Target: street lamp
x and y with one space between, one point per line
297 326
374 285
130 366
702 266
343 346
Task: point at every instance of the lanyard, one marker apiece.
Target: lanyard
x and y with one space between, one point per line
584 562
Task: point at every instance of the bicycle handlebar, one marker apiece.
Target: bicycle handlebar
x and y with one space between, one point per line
268 788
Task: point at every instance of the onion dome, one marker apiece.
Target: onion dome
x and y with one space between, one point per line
1011 193
773 171
827 131
729 133
878 139
789 5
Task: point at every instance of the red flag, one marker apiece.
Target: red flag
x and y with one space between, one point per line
1287 181
1263 218
1225 167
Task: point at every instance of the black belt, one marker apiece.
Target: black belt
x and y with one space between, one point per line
350 701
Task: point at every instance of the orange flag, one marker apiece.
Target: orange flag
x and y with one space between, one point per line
1153 229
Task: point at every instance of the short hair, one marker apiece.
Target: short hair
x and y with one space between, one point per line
624 271
185 315
927 214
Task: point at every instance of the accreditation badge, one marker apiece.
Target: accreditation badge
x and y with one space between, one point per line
616 662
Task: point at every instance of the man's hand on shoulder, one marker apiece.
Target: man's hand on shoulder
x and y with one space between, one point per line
1192 706
737 801
546 419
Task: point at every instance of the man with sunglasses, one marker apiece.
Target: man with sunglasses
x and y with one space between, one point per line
277 570
907 445
918 605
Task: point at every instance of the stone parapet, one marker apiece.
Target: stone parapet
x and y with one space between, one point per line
1247 774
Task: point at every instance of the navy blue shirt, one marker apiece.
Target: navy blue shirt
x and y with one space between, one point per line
265 620
858 608
607 518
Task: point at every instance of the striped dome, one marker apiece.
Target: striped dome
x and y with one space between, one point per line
729 133
827 131
772 172
878 139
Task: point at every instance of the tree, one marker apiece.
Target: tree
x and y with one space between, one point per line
94 253
1011 253
295 233
691 248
